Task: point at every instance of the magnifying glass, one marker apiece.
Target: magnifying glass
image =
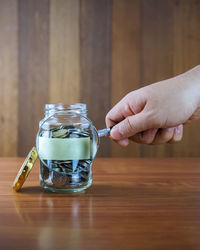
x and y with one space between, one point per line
67 143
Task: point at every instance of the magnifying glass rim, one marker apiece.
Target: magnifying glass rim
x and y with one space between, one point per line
65 112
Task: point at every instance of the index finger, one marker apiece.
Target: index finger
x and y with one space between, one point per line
131 104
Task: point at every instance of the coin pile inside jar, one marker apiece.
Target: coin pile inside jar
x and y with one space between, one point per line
59 173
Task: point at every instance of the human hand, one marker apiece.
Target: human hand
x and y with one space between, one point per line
156 113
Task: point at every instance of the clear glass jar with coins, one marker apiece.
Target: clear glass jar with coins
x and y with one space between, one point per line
66 143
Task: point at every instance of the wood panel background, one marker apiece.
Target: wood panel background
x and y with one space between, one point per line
91 51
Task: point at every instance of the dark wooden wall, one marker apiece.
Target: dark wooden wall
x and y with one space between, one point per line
91 51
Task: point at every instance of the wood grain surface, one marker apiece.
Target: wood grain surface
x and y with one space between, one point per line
95 23
8 78
157 53
143 204
64 52
186 44
33 69
126 58
92 51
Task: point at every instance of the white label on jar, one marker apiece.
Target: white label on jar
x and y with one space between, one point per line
64 149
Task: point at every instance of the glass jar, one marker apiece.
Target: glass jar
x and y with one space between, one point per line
50 109
67 143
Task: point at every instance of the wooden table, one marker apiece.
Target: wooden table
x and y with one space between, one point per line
132 204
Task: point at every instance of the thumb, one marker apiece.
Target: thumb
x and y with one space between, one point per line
130 126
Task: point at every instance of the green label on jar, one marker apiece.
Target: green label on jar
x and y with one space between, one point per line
64 149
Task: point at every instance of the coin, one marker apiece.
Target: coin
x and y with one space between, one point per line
59 179
63 173
44 173
59 133
25 169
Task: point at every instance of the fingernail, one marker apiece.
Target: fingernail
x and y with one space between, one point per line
115 134
124 142
179 129
170 130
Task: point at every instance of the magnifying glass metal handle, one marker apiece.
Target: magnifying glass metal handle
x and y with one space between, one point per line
104 132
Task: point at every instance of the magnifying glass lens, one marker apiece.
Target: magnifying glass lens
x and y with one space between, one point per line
66 143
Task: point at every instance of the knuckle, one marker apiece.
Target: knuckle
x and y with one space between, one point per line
129 95
126 98
108 120
127 109
148 92
107 117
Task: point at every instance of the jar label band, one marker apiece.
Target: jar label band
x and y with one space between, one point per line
65 149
